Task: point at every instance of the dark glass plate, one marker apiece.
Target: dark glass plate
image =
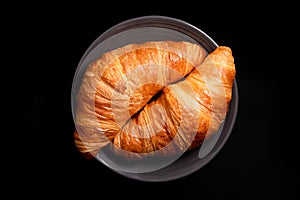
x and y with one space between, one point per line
155 28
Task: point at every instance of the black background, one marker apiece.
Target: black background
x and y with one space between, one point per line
255 162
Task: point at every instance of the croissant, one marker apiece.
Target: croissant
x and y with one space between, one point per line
154 98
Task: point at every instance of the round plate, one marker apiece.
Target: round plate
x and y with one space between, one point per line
157 28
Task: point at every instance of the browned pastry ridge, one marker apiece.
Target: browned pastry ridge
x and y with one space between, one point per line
162 96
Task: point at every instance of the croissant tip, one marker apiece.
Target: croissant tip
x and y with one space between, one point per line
225 48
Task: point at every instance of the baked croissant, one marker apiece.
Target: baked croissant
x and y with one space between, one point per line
154 98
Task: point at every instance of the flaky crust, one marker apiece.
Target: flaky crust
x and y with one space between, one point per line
162 96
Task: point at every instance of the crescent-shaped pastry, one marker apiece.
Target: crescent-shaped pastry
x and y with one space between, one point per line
160 96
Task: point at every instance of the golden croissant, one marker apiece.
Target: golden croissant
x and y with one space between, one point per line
160 96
